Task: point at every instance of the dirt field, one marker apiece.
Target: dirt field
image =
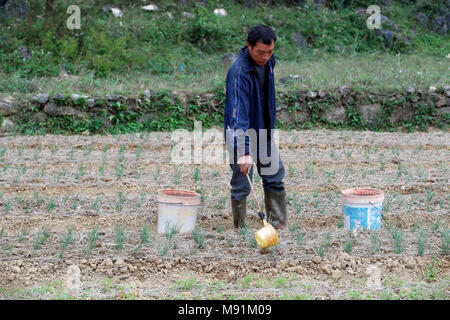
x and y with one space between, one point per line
90 202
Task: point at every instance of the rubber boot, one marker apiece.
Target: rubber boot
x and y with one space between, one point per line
276 209
239 208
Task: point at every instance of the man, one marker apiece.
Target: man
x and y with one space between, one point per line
250 107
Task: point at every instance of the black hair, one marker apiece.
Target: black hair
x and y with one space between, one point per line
261 33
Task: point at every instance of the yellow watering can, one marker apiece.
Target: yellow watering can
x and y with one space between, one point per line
266 236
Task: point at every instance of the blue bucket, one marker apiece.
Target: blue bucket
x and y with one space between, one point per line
360 208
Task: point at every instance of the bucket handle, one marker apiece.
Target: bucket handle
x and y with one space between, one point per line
376 208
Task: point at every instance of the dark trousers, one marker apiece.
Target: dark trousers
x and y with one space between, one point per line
272 182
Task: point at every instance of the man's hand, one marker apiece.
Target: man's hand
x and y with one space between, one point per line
245 164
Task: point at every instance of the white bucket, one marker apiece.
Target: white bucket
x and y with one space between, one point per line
360 208
177 208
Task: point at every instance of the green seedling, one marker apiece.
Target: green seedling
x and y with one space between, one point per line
401 170
119 236
201 191
157 172
396 152
243 231
330 175
299 238
253 242
64 243
418 149
435 226
196 174
199 237
445 240
309 170
71 153
280 282
80 171
340 223
37 198
413 227
364 173
293 226
2 230
136 172
429 197
222 201
171 231
137 152
22 235
387 203
54 148
431 271
51 206
88 151
290 196
177 177
375 241
326 241
348 153
164 249
229 242
92 240
66 198
121 154
120 167
397 238
22 148
40 238
349 242
421 241
297 205
291 170
120 201
8 206
101 169
75 202
97 204
333 154
186 284
145 234
245 282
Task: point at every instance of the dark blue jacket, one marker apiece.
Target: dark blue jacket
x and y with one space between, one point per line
243 109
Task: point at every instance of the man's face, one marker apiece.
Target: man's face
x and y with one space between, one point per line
261 52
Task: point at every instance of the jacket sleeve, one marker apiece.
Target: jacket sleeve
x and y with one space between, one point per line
237 107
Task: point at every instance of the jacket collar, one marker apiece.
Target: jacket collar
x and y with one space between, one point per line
248 63
247 59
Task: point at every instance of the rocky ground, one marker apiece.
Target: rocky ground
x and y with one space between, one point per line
78 218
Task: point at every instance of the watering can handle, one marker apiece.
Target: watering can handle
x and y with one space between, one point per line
261 214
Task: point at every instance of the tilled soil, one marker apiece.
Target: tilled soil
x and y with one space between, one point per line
52 184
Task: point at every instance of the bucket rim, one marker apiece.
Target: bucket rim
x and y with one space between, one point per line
178 196
362 195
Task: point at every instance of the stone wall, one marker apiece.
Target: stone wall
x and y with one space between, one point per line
343 106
